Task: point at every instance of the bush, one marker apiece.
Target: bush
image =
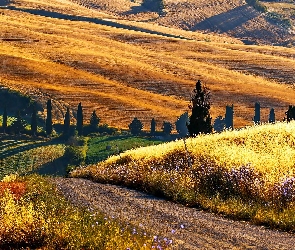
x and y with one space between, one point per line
75 155
135 126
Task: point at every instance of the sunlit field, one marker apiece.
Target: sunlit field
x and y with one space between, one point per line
34 216
123 73
26 156
247 173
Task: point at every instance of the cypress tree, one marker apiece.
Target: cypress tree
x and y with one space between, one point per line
80 119
34 121
200 120
49 118
153 126
4 120
94 120
67 123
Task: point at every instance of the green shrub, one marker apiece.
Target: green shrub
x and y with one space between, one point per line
75 154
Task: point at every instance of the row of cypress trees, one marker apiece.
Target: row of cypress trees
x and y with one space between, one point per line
199 121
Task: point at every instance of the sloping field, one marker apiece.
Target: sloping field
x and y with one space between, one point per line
234 17
125 69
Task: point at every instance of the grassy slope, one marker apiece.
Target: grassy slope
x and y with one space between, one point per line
27 156
124 73
246 174
97 146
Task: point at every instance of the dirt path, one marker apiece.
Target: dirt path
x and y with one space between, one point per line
187 227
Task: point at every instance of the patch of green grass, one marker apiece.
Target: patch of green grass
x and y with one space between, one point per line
100 148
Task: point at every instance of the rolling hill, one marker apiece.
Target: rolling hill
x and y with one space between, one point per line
126 61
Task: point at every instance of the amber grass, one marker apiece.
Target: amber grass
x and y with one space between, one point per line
33 215
244 174
106 68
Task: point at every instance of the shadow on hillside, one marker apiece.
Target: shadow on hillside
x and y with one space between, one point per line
228 21
58 167
146 6
20 148
105 22
4 2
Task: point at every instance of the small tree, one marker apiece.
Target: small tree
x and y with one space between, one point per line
167 128
34 121
135 126
256 117
80 119
18 125
272 116
4 120
290 113
181 123
49 118
153 126
67 123
200 120
94 120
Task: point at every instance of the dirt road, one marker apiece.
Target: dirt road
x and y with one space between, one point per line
187 227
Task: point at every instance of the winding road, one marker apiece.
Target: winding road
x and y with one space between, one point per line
188 228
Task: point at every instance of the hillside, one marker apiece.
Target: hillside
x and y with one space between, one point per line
235 17
73 53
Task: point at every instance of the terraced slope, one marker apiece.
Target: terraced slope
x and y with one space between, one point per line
72 54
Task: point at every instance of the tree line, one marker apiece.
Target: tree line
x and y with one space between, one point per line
199 122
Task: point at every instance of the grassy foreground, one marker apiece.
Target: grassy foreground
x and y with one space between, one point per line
246 174
34 216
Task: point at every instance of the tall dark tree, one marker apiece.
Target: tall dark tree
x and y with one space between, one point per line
94 120
34 121
67 122
18 125
200 119
49 118
153 126
80 119
290 114
4 120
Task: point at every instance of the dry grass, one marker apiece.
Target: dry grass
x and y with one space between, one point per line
124 73
246 174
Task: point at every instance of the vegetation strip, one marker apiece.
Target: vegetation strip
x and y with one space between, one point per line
34 216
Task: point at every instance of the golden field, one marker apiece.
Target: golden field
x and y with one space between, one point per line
268 149
123 73
245 174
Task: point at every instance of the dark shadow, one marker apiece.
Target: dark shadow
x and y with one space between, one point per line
19 149
58 167
229 20
105 22
146 7
4 2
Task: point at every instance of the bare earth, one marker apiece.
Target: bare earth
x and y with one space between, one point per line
189 228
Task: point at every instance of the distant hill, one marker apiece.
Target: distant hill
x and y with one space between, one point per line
234 17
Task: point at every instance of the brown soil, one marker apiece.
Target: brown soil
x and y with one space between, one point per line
189 228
